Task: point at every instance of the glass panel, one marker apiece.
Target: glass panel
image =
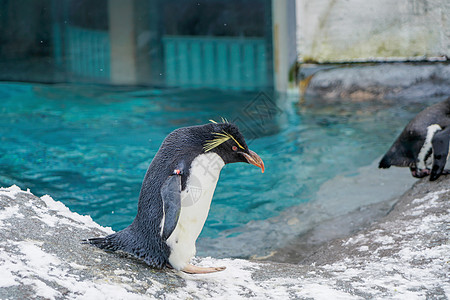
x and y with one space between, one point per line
176 43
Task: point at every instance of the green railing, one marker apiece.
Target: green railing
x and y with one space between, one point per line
87 52
226 63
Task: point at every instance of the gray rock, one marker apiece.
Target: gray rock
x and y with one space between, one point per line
404 255
342 205
381 81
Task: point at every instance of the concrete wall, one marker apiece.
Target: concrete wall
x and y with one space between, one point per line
122 40
283 41
361 30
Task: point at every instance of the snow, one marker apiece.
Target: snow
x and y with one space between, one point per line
42 212
64 211
30 265
401 272
236 282
409 265
363 248
10 212
320 292
384 240
12 191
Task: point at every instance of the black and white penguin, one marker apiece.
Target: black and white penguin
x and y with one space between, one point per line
423 144
176 195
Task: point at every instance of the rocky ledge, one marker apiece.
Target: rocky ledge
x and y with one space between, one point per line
361 82
405 255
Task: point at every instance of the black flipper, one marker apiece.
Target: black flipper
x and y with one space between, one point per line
148 245
398 155
384 162
171 196
440 144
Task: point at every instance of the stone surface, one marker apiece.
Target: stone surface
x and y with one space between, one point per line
405 255
342 205
381 82
360 30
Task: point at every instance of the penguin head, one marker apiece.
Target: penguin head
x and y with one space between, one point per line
227 141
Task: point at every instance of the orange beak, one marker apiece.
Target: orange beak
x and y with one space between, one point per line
254 159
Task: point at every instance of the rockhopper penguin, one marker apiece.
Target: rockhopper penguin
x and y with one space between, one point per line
423 144
176 195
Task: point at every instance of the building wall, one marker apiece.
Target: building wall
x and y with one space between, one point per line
361 30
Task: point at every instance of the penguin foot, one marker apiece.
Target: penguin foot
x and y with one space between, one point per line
191 269
420 173
435 175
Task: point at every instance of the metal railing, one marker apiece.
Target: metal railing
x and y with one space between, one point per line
216 62
88 52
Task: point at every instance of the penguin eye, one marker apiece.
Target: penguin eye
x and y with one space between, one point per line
234 148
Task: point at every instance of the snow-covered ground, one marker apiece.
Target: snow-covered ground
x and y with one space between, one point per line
404 256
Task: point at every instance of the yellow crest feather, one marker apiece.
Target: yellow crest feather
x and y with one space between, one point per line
224 120
215 142
220 138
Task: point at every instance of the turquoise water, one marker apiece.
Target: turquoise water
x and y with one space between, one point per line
90 146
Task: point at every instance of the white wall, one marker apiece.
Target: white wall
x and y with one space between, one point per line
121 31
283 32
361 30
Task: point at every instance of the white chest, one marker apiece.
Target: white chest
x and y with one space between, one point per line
195 204
422 161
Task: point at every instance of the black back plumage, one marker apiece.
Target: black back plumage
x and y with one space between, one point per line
405 150
143 237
